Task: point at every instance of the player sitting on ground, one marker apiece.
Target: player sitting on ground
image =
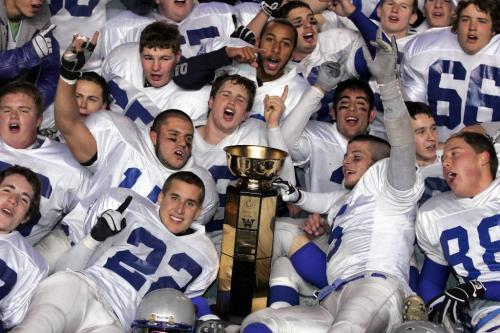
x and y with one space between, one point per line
360 277
128 252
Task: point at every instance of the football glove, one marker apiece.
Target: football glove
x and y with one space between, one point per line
270 6
72 61
110 222
287 191
42 43
453 301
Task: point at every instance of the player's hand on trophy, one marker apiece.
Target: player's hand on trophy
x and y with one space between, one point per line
76 56
286 190
454 300
274 106
383 67
42 42
315 226
110 222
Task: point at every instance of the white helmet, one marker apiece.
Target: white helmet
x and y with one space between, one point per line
165 310
420 326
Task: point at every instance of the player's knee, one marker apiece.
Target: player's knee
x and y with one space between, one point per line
286 229
283 273
297 243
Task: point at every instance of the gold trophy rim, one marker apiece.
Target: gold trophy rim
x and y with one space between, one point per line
254 161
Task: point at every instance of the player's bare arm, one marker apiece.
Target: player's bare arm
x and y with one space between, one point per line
67 115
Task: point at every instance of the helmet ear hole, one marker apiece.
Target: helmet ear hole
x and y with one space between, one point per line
165 310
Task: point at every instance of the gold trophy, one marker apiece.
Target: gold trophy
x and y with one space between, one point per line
247 239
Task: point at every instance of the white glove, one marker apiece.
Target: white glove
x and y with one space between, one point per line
287 191
42 43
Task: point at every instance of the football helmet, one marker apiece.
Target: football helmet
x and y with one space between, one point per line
420 326
164 310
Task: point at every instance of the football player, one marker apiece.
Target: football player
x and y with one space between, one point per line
126 253
362 277
21 267
140 77
319 147
230 102
464 239
276 44
87 17
453 70
121 154
197 23
64 181
92 94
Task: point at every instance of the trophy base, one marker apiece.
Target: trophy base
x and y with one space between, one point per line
245 262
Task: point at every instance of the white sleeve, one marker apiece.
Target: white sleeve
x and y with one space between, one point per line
294 124
429 244
77 257
319 203
275 140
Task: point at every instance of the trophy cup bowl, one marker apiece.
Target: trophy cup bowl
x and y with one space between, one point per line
251 164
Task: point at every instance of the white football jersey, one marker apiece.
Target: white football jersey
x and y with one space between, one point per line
126 158
82 17
206 20
460 89
324 148
433 179
145 256
297 85
213 159
64 182
245 12
21 269
331 42
123 71
463 233
374 228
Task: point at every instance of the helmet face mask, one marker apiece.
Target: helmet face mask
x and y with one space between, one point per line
164 310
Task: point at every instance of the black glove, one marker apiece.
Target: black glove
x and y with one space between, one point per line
453 301
72 61
245 34
110 222
270 6
210 326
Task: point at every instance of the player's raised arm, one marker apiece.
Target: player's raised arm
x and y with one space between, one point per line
329 76
402 161
67 115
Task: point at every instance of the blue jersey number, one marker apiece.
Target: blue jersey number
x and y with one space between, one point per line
131 177
489 226
8 277
122 261
222 176
474 99
335 237
46 192
73 7
135 110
